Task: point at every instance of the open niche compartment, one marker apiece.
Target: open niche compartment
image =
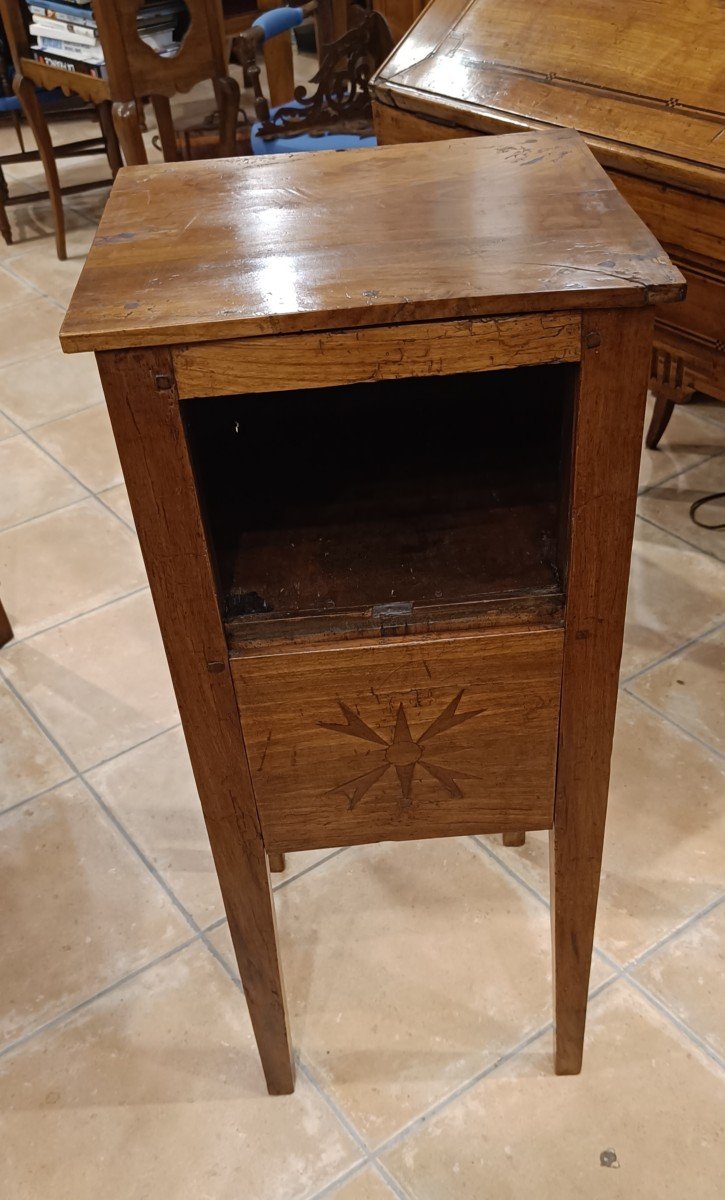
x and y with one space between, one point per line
386 508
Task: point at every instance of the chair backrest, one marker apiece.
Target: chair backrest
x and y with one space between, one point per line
341 101
135 69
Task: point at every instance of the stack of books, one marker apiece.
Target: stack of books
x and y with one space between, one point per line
64 33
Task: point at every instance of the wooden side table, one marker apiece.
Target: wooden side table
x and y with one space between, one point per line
383 472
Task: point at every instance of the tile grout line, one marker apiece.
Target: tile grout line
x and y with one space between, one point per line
387 1176
657 662
28 637
11 808
634 963
69 1013
651 487
678 537
675 724
676 1021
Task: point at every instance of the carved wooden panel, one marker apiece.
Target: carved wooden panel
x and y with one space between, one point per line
413 739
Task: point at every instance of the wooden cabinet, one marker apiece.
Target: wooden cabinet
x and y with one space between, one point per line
644 84
383 472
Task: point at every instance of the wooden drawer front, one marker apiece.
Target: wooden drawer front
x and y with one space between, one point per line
413 739
677 218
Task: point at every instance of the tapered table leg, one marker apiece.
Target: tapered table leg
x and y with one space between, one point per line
151 440
608 418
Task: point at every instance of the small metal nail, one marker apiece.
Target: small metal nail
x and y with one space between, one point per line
592 340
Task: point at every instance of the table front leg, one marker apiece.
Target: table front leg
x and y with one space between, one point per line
608 419
150 435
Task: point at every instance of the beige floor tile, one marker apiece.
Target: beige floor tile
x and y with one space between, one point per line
65 563
155 1090
688 976
100 683
688 439
14 291
29 763
645 1095
708 406
80 910
27 330
7 430
368 1185
84 443
117 499
31 483
690 688
675 593
409 967
665 838
669 505
51 385
151 790
46 271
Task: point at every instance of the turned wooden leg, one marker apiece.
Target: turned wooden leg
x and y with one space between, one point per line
6 629
145 414
167 133
128 129
514 839
669 387
113 151
226 91
279 62
5 228
34 115
609 401
276 862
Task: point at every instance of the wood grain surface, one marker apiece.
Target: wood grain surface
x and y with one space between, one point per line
420 738
381 352
152 446
204 251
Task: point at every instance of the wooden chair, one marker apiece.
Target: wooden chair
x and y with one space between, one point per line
338 115
38 99
135 71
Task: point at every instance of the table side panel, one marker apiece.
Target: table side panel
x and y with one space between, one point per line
424 738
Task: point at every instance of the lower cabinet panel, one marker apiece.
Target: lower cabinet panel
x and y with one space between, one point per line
413 739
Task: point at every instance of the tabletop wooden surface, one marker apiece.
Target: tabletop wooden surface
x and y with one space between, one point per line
228 248
649 77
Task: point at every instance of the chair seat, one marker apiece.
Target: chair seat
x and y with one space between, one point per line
300 143
10 104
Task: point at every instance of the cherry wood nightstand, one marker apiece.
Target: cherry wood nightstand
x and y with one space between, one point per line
380 415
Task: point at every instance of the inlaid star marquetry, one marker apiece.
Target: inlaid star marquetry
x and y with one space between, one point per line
403 752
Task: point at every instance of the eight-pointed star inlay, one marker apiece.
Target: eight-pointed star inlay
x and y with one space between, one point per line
403 752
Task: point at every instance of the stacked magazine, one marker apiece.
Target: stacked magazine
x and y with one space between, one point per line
64 33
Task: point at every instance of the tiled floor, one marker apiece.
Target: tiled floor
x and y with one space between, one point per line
418 975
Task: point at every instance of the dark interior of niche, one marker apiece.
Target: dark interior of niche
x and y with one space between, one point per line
431 491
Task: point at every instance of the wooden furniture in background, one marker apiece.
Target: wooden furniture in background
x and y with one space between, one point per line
399 14
412 630
6 634
29 80
644 84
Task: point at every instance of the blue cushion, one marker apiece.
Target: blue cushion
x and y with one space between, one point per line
302 142
278 20
12 104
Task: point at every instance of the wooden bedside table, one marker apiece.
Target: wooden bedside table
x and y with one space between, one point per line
379 415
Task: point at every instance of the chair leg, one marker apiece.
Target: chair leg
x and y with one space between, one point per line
226 91
661 414
128 129
276 862
26 94
5 228
6 629
278 62
167 133
113 150
514 839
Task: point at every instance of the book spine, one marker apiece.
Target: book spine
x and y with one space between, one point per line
96 71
